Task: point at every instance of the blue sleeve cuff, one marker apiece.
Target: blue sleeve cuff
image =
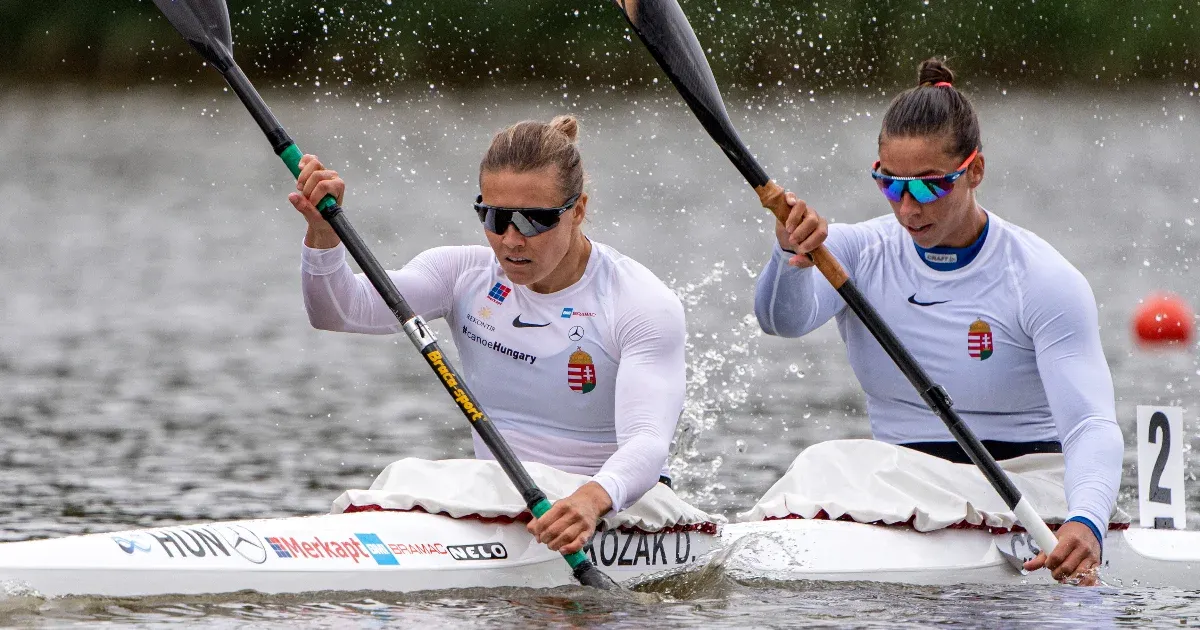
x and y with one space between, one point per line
1092 526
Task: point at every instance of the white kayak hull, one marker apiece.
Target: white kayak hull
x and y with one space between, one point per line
375 551
414 551
804 549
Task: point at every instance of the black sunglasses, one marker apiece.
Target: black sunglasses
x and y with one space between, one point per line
528 221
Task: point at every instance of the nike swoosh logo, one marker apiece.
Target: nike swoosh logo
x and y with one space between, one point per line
912 299
517 323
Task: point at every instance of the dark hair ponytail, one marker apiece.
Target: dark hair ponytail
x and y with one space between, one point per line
934 108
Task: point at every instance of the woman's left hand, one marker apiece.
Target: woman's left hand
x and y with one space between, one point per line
1075 557
571 521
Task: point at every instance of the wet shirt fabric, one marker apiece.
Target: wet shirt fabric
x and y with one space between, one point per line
1013 337
589 379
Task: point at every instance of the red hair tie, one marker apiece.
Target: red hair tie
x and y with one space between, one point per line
943 84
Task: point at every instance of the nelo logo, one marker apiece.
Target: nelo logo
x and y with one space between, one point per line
481 551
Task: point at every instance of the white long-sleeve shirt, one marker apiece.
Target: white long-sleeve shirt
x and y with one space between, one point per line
589 379
1013 337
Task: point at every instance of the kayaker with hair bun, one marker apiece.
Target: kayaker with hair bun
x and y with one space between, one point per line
575 351
992 311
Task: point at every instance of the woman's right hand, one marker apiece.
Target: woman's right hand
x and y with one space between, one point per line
803 232
314 183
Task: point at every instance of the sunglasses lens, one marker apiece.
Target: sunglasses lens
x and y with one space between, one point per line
892 189
920 191
528 223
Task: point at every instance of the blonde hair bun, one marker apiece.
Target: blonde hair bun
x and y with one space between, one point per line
568 125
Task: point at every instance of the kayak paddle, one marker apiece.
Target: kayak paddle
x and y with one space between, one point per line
205 25
667 34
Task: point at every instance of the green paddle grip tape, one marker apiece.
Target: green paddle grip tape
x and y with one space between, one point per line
574 559
291 157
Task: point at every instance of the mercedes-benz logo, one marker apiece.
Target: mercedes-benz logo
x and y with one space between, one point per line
244 542
576 333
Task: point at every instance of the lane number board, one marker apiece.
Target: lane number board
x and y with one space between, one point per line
1161 498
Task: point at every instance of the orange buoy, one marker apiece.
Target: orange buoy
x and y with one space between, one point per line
1163 319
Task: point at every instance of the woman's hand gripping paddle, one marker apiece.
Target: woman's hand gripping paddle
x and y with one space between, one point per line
664 29
205 24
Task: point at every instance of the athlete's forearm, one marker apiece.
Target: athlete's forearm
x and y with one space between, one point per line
338 300
786 301
649 392
1093 454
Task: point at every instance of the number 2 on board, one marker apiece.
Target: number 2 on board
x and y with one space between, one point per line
1160 467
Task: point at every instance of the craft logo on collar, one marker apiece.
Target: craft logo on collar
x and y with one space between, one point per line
581 372
979 340
945 259
499 292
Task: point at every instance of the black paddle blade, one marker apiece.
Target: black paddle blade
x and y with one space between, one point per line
589 575
205 24
667 34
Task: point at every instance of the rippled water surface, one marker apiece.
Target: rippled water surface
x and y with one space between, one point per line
156 364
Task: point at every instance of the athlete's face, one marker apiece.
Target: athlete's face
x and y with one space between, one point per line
550 261
953 220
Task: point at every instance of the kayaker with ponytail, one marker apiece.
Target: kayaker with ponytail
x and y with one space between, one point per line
990 310
575 351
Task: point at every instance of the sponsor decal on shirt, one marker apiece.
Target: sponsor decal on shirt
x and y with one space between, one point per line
979 340
581 372
569 311
479 322
499 292
499 347
480 551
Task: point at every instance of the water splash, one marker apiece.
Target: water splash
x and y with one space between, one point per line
720 368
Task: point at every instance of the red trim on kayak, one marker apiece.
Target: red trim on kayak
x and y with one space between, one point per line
524 517
911 523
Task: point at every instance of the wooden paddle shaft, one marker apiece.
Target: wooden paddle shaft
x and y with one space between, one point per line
772 197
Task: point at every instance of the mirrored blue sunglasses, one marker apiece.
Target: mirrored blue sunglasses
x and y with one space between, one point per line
922 189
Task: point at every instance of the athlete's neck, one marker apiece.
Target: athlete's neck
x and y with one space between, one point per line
951 258
570 270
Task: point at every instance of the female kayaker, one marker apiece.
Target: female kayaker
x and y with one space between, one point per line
990 310
575 351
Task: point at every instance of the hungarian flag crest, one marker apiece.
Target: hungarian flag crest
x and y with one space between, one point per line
979 340
581 373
